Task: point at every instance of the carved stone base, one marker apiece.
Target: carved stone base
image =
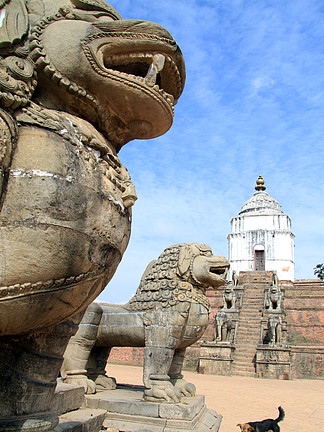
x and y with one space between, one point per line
127 411
216 358
42 422
273 362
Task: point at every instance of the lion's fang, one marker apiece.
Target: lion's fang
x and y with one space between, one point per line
156 67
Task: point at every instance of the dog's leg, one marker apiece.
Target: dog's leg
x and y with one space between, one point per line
76 356
176 377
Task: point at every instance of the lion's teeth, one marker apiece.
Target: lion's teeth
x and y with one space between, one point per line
156 67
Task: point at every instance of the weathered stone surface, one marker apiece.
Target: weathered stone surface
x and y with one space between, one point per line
273 362
216 358
168 313
67 398
66 109
129 412
83 420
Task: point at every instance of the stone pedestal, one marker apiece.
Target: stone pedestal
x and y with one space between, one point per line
216 358
273 362
127 411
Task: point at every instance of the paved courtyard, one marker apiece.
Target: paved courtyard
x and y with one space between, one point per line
240 399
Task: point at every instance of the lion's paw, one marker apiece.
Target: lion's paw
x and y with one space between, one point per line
186 389
82 381
162 392
104 382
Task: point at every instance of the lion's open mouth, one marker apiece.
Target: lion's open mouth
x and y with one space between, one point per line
156 71
219 271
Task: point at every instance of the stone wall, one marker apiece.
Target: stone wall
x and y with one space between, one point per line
307 362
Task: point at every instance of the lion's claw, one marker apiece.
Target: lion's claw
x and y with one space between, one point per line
160 393
186 389
104 382
83 381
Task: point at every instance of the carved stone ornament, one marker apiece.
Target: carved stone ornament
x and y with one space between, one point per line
229 297
168 313
275 330
223 327
76 83
273 298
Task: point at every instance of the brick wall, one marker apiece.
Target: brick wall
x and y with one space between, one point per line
304 306
127 355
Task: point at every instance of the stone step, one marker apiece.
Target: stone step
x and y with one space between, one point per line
67 397
247 335
241 366
248 327
244 373
82 420
240 356
244 365
251 312
247 339
250 323
253 296
246 348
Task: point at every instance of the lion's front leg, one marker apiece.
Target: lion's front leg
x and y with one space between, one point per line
163 330
176 377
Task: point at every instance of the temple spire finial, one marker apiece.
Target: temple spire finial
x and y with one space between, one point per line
260 184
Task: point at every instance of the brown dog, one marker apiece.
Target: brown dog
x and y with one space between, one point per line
264 425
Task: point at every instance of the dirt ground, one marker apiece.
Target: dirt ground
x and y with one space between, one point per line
240 399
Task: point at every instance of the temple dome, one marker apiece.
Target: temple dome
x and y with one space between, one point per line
261 203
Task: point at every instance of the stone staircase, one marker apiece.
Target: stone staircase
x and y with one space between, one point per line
249 327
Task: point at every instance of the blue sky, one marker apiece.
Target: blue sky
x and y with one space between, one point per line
253 104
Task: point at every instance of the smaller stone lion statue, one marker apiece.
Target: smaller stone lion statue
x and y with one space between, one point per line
168 313
273 298
229 297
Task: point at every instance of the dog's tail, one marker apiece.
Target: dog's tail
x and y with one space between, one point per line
281 414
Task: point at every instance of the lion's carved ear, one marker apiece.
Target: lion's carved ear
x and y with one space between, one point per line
13 22
184 259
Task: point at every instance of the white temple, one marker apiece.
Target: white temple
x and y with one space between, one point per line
261 237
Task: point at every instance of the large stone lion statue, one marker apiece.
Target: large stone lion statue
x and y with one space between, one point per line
168 313
77 82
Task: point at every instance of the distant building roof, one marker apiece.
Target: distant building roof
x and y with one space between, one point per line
261 202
